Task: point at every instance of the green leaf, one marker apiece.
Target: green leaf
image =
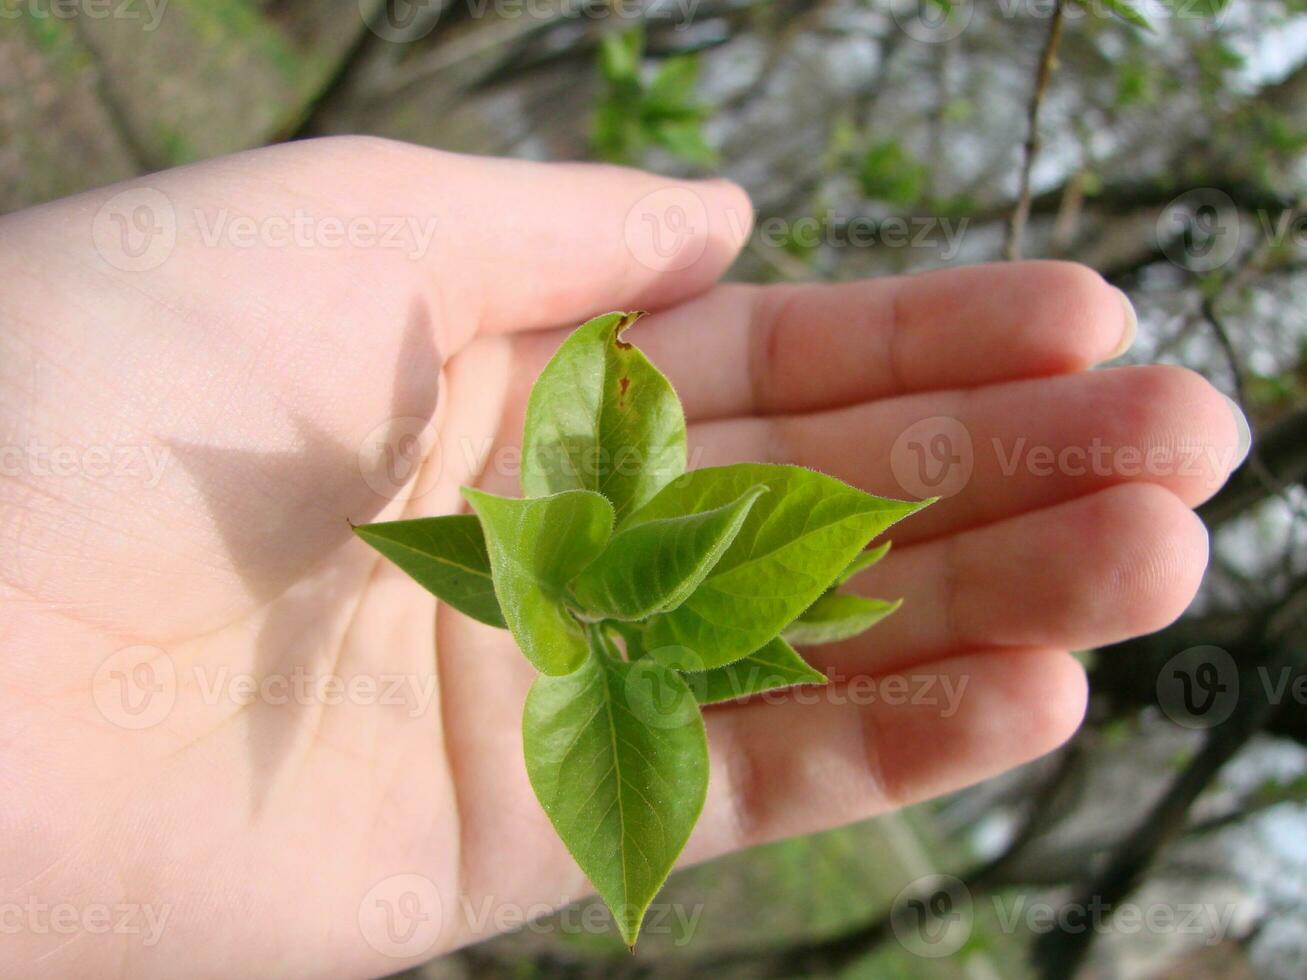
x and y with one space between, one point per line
795 540
887 172
673 86
616 134
775 666
1125 9
836 617
861 561
652 566
602 418
446 556
536 547
685 139
617 756
619 55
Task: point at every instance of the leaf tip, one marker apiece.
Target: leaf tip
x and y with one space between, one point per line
624 322
925 502
472 495
630 930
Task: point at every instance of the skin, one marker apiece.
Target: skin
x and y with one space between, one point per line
270 831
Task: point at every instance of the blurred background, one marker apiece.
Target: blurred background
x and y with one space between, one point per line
1161 142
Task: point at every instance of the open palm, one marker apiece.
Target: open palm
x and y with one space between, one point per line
219 707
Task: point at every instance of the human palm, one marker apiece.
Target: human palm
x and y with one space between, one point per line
164 624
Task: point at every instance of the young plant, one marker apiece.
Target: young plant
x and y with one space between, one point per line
640 592
634 112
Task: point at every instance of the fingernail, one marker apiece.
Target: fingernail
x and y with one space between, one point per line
1245 444
1131 326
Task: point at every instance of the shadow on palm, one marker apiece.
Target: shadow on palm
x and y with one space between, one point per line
281 521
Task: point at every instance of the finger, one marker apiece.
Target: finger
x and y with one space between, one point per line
815 758
742 350
1095 570
1006 448
541 245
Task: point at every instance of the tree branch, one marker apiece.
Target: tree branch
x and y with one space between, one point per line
1060 953
1020 214
1282 451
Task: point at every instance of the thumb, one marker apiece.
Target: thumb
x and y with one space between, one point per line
531 245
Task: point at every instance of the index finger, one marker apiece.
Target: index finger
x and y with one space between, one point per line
747 350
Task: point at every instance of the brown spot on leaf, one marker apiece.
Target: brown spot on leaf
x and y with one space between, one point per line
624 384
622 324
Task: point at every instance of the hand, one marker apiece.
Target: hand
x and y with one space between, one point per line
192 419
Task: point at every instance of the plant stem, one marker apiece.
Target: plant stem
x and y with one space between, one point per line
600 642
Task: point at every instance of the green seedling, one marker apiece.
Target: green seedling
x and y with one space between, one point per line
641 592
